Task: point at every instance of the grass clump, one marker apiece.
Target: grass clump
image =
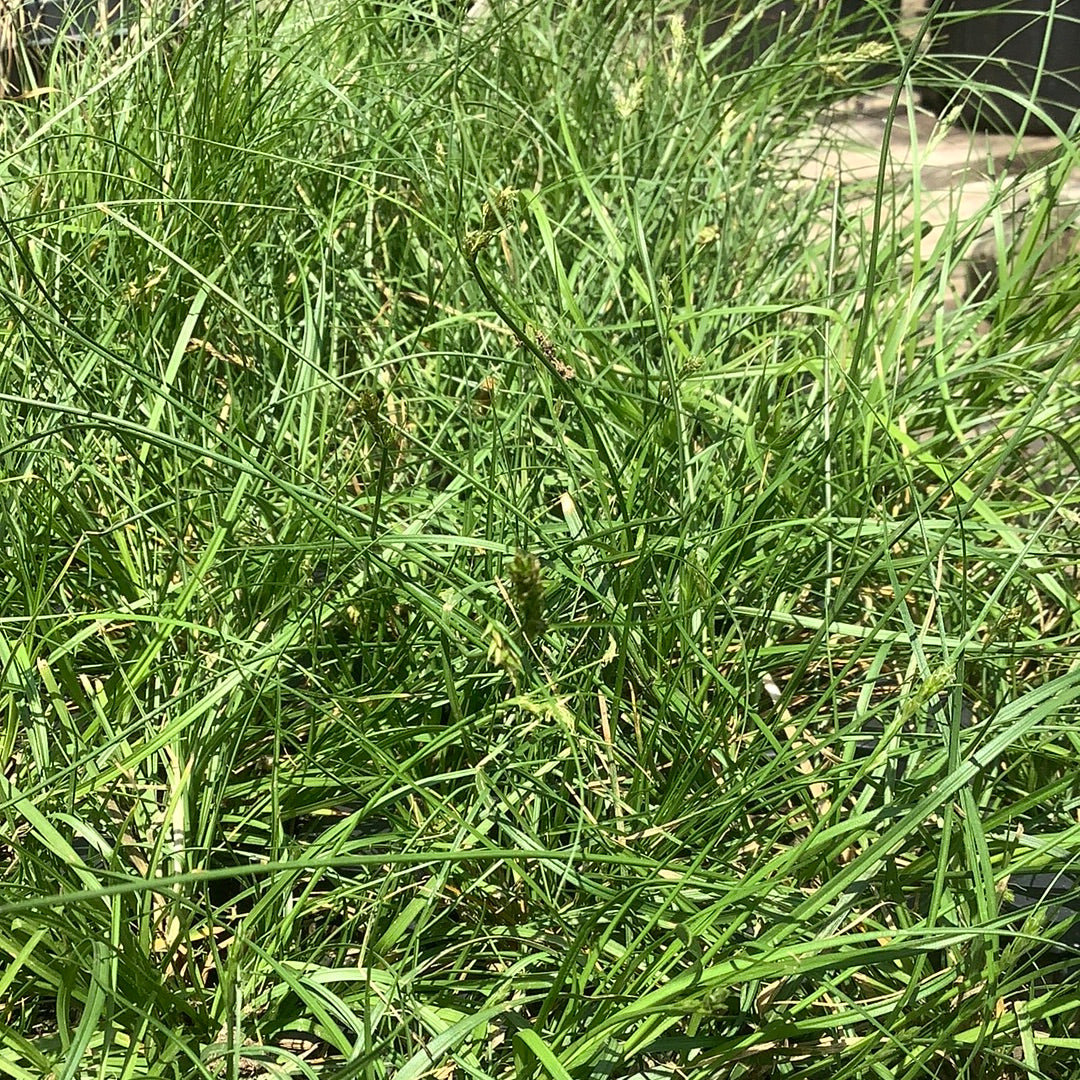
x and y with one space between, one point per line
502 578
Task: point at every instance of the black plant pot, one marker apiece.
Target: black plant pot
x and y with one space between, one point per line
860 19
47 23
1005 56
37 28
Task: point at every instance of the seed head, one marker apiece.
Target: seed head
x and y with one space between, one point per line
527 594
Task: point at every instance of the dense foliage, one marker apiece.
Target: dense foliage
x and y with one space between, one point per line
503 576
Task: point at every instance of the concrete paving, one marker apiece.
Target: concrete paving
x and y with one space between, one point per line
960 175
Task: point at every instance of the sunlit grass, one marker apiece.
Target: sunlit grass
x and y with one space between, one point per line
502 578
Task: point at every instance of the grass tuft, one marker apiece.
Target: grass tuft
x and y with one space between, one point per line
502 576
